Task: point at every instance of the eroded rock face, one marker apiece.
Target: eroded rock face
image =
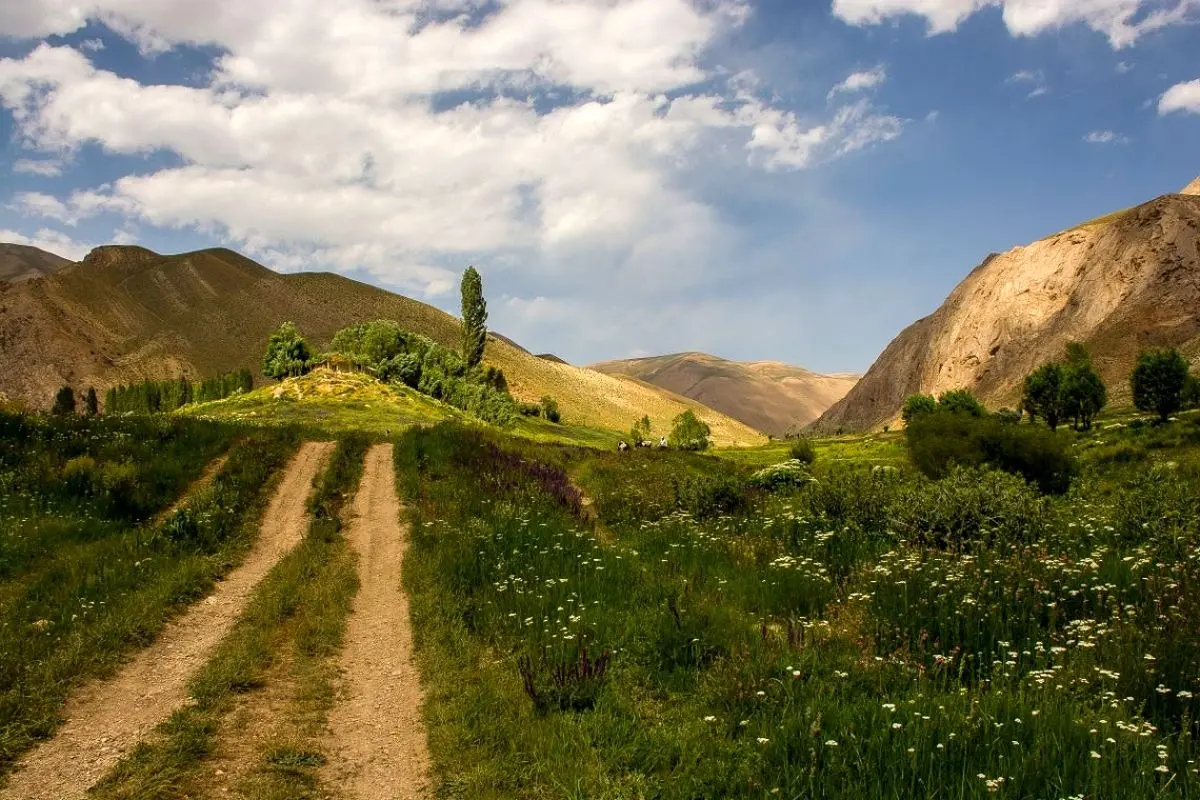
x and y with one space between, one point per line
1121 284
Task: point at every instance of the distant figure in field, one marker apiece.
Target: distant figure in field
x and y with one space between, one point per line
646 443
622 447
662 443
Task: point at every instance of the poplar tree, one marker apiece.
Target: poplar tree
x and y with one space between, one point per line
474 318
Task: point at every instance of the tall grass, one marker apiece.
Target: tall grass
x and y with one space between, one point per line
826 642
87 583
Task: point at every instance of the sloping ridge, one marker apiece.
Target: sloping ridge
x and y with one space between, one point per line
1119 284
769 396
20 262
125 313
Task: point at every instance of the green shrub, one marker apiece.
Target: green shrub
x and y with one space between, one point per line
802 450
970 506
710 495
940 441
787 474
550 409
79 474
530 409
689 432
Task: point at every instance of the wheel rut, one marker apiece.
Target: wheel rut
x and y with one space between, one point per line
105 719
377 744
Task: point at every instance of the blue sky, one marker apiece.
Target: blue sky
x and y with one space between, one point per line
762 180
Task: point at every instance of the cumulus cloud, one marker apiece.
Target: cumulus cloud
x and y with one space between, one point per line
1121 21
860 81
51 241
1183 97
46 167
1105 137
324 135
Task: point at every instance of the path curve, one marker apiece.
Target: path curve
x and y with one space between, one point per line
378 749
105 719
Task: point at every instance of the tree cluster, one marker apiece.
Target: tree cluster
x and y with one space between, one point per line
152 397
1065 390
689 432
394 355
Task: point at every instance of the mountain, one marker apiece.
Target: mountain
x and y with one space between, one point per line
126 313
769 396
19 262
1119 283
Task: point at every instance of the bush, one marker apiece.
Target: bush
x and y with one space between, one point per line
689 432
803 451
961 401
710 495
970 506
79 474
938 442
550 409
916 405
787 474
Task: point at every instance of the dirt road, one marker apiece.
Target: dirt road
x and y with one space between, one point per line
107 718
377 744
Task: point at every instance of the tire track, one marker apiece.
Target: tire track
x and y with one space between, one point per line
106 719
377 745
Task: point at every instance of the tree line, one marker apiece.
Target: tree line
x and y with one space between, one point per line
152 397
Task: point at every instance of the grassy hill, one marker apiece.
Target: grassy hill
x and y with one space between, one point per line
334 402
126 313
769 396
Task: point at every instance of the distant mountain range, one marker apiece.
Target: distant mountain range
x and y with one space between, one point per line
19 262
125 313
1120 283
769 396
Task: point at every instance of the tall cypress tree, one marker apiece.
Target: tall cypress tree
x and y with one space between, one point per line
474 318
92 403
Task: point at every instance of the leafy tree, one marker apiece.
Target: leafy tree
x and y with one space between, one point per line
64 401
1044 394
92 402
641 430
1158 382
474 318
689 432
918 404
961 401
183 392
803 450
287 353
1191 392
1083 393
550 409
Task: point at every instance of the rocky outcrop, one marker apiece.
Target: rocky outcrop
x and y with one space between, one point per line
1119 284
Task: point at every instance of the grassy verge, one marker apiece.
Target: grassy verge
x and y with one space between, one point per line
76 612
297 617
875 634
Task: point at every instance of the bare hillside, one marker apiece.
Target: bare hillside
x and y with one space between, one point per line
19 262
1119 284
126 313
769 396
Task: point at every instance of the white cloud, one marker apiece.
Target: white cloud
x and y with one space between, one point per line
860 81
1181 97
51 241
36 204
46 167
1124 67
1121 21
317 140
1105 137
1036 78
